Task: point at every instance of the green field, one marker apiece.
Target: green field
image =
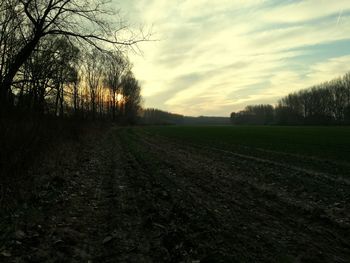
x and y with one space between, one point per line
326 143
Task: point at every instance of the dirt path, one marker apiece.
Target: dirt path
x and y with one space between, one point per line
133 197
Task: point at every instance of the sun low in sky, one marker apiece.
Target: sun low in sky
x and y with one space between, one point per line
215 57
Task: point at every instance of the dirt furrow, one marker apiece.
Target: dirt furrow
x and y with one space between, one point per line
302 186
271 209
131 197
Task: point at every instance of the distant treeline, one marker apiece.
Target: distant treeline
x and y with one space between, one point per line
159 117
324 104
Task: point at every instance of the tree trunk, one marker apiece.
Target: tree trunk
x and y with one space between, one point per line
61 101
20 58
57 98
113 106
75 99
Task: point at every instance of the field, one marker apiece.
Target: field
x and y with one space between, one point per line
331 143
191 194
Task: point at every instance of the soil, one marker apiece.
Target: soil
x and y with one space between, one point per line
130 196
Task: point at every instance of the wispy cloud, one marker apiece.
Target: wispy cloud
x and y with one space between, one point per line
307 10
216 57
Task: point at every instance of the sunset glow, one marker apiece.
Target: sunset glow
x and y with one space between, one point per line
214 57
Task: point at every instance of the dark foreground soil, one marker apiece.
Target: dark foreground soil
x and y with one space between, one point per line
129 196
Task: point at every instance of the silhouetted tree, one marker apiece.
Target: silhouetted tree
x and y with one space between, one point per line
24 23
116 65
254 114
93 72
159 117
327 103
131 98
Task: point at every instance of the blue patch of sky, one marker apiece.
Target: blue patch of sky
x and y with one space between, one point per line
277 3
332 19
318 53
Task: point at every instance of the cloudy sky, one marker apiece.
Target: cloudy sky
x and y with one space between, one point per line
215 57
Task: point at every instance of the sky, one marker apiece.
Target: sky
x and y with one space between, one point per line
215 57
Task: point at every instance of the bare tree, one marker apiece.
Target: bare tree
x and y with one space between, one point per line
75 80
93 73
116 65
66 56
131 98
29 21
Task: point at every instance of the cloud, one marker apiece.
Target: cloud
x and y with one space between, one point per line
215 57
334 67
301 11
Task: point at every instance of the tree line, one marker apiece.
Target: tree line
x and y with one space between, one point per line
65 58
324 104
152 116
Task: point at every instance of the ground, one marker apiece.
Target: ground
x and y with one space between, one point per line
145 195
